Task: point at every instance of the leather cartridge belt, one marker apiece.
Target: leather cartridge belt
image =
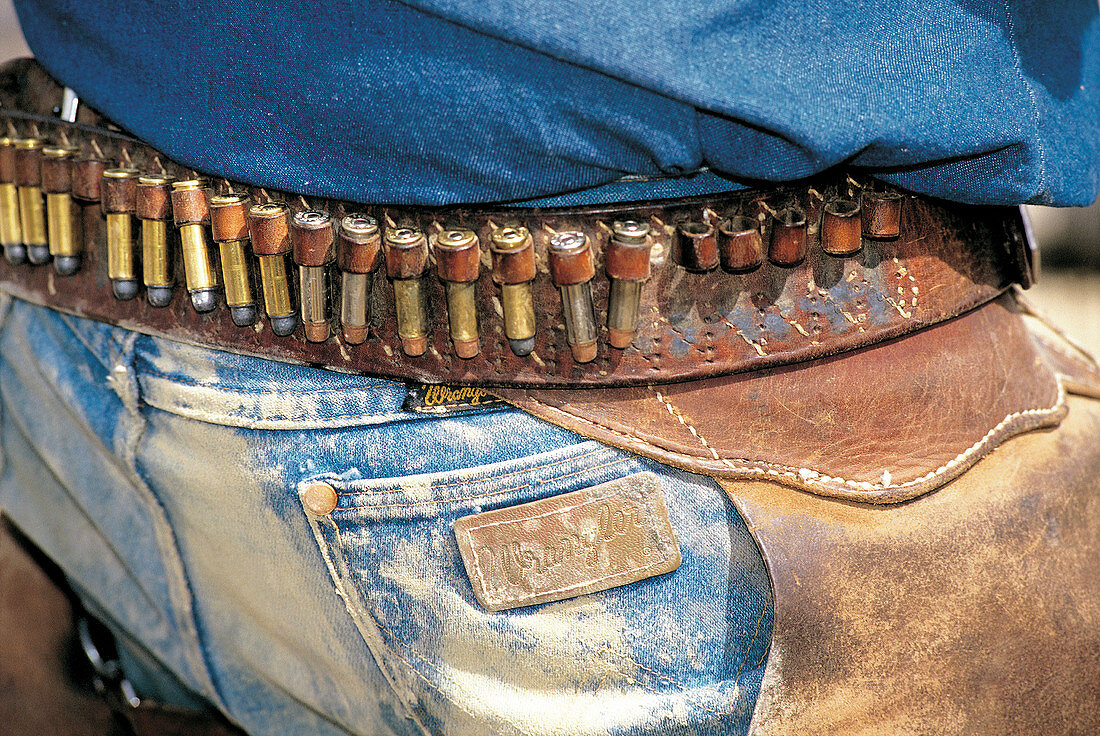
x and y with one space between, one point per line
98 224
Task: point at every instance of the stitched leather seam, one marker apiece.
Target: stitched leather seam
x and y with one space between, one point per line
814 479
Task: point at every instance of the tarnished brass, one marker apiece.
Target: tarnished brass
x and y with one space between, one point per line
313 241
314 296
461 296
412 315
120 247
410 299
519 311
462 314
622 311
353 306
576 302
612 534
625 295
580 320
357 229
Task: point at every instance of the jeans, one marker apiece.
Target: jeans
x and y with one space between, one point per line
163 478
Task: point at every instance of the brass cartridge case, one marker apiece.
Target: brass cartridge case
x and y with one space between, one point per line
191 211
238 290
622 311
571 267
11 231
518 303
269 233
513 256
277 300
59 217
313 282
314 247
353 306
198 266
462 317
32 212
32 219
154 209
357 255
64 245
119 192
156 270
580 320
120 249
412 315
229 225
627 265
406 251
458 258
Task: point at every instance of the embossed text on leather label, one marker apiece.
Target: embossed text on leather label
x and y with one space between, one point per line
580 542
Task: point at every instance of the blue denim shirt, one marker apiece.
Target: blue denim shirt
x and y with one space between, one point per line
443 101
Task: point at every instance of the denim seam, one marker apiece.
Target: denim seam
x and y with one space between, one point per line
356 608
271 422
483 495
261 392
68 320
487 478
179 586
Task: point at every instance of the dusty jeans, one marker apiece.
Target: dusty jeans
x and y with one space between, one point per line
164 480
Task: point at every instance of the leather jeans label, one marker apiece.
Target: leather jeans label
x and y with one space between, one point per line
581 542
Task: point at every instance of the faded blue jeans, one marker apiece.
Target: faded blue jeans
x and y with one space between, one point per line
164 480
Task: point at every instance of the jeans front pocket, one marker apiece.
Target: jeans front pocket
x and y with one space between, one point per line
677 653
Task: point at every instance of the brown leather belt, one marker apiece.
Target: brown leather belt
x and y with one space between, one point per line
624 294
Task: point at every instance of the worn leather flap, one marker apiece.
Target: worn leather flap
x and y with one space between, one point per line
883 424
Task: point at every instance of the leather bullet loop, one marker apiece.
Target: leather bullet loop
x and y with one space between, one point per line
696 248
788 246
881 216
841 231
740 244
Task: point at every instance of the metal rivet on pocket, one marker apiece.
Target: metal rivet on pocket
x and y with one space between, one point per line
319 498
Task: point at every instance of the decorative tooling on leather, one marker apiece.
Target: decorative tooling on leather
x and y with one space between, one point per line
972 610
947 260
883 424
